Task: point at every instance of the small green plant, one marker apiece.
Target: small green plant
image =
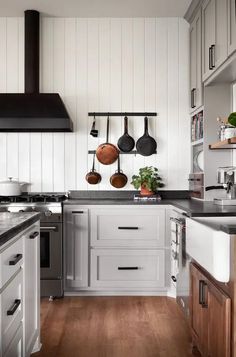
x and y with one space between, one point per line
148 177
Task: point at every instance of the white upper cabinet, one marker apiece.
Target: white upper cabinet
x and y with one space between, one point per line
231 26
214 35
195 63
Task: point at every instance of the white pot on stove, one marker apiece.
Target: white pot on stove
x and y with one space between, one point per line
11 187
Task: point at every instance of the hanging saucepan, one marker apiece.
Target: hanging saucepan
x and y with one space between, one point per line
118 179
126 142
107 153
146 145
93 177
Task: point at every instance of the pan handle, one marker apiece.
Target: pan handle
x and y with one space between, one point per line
93 167
126 124
146 126
107 129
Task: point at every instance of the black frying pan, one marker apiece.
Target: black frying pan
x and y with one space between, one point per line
126 142
146 145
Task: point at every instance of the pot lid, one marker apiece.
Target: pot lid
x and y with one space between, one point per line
10 181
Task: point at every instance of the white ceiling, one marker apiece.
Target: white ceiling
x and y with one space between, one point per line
96 8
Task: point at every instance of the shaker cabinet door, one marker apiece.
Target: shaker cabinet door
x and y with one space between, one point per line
231 26
76 248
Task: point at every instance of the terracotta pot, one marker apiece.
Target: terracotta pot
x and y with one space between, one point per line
145 191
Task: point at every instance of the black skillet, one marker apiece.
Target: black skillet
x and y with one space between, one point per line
126 142
146 145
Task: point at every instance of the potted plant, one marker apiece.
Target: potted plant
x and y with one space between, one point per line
148 180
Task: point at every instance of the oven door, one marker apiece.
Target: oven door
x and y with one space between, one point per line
50 250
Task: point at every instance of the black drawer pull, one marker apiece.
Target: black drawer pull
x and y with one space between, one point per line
14 307
173 278
202 286
77 211
17 258
132 228
34 235
128 268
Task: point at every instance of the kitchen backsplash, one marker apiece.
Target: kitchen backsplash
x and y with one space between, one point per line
138 64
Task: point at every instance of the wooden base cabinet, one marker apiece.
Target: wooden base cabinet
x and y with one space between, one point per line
210 312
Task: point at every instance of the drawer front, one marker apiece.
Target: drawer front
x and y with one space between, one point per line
128 227
127 268
15 348
10 261
11 309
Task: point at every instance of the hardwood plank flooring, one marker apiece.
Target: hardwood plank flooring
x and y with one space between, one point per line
113 327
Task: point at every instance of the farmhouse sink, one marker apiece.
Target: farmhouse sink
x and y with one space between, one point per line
209 245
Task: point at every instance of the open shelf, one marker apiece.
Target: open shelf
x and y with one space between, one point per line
224 144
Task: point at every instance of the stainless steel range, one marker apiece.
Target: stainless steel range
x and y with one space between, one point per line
51 219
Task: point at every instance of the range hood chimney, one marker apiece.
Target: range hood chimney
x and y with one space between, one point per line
33 111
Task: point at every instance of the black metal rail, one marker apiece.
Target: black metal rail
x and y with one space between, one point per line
122 114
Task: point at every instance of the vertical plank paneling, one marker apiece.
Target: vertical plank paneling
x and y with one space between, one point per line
104 91
82 103
150 80
70 101
3 87
103 65
46 84
162 97
139 83
173 102
12 62
59 86
93 81
115 81
184 121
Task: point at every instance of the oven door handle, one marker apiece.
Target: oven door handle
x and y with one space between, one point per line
48 228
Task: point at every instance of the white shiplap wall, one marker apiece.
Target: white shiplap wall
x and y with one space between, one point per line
135 64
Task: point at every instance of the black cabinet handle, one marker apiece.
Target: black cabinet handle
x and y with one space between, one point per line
132 228
128 268
173 278
202 285
34 235
213 56
14 307
77 211
17 258
193 105
210 58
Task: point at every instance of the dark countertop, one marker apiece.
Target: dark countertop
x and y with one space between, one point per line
13 223
191 207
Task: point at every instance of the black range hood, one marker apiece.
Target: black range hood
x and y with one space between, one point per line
33 111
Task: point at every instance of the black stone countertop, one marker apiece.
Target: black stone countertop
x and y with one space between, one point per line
13 223
192 207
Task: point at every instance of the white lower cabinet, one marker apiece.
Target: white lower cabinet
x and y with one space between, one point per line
20 294
31 288
120 268
11 301
15 349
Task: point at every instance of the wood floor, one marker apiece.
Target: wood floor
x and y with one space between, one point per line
113 327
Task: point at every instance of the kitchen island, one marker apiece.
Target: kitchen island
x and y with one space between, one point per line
19 284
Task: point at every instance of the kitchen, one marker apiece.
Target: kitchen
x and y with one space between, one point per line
91 96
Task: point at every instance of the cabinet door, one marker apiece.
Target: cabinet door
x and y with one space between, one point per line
208 36
231 26
220 50
219 306
196 62
76 248
198 308
31 287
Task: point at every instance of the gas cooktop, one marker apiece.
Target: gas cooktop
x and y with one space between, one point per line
33 198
